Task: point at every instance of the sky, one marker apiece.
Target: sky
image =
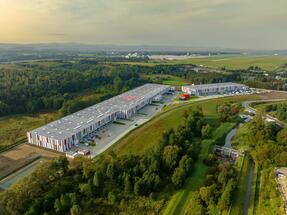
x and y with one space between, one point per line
244 24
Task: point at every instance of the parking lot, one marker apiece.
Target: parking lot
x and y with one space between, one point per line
99 141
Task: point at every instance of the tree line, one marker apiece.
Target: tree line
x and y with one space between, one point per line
109 184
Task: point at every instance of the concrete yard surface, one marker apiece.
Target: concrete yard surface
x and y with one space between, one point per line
113 132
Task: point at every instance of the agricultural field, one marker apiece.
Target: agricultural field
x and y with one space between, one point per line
268 63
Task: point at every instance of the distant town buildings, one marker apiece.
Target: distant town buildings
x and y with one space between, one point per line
63 134
212 89
134 55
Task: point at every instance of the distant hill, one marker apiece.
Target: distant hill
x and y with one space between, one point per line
126 48
64 51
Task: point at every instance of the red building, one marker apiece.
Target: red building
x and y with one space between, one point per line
185 96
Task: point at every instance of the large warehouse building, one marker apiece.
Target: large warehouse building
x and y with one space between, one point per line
63 134
211 89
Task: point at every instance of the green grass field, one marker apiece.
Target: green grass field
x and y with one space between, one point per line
268 63
253 195
219 134
166 79
14 128
240 192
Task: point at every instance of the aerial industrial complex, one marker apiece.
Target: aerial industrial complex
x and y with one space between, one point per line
211 89
63 134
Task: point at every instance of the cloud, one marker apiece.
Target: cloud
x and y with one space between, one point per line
225 23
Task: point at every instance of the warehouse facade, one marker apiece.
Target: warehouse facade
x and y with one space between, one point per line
212 89
61 135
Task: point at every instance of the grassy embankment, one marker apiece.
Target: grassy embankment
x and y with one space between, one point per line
268 63
239 194
254 190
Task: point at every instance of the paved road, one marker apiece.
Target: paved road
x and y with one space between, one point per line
229 137
247 106
232 133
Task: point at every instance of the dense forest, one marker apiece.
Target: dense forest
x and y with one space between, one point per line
34 87
55 85
110 183
29 88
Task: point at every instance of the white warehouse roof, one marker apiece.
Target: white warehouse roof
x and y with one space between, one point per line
216 85
71 124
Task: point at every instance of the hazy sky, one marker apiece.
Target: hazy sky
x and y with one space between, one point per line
260 24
